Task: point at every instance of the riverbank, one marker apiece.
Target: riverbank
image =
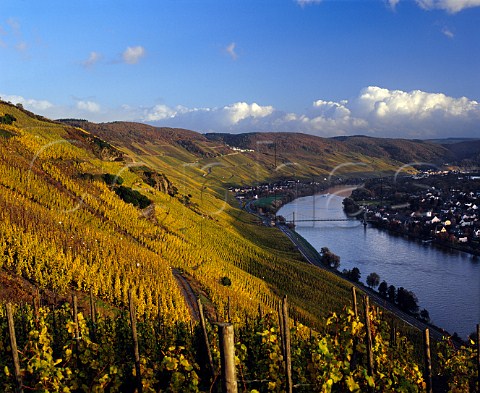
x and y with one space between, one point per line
435 242
443 209
446 283
313 257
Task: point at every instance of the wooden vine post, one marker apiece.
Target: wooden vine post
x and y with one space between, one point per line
205 337
393 335
133 322
92 309
75 315
36 302
227 358
286 346
428 360
13 345
228 310
280 327
354 301
366 304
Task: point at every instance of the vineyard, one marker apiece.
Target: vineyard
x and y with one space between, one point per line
65 227
78 214
60 350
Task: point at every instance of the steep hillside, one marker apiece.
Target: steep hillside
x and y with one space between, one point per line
79 212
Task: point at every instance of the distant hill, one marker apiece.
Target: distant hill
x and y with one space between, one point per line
136 136
274 155
375 152
466 152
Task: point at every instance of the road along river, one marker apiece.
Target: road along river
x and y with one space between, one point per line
447 283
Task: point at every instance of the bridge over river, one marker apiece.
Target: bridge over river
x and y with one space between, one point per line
293 219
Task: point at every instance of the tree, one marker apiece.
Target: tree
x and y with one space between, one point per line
373 279
329 258
424 315
407 300
225 281
7 119
353 275
391 293
383 288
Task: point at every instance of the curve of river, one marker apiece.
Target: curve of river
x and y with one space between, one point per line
447 283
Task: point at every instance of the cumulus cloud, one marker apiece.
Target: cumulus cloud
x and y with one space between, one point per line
416 113
78 109
374 111
88 106
28 103
418 104
230 49
452 6
93 58
228 117
241 111
133 54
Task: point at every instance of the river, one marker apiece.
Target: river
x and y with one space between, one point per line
447 283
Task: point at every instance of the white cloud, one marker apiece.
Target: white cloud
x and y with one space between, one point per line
374 111
416 113
241 111
334 110
88 106
418 104
393 3
452 6
303 3
28 103
159 112
93 58
228 117
231 51
133 54
448 33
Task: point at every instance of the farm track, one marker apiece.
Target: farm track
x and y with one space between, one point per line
188 294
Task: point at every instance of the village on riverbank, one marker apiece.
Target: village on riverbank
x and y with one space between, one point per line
441 207
438 207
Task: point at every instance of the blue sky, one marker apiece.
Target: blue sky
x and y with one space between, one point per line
400 68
